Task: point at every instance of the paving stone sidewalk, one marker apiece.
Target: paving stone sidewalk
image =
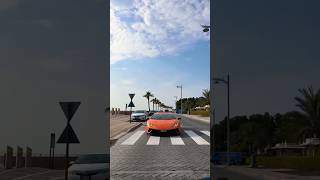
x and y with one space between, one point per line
119 124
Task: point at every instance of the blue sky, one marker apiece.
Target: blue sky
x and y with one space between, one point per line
155 46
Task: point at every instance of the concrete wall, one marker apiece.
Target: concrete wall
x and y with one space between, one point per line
43 162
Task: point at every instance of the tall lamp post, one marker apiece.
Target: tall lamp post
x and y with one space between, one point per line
227 82
207 28
176 97
180 97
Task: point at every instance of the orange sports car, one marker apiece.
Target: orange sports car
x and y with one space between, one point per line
163 122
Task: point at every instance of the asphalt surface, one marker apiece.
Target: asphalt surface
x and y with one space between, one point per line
140 156
223 173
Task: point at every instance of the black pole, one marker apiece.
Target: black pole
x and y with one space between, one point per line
67 153
50 157
67 161
130 113
228 121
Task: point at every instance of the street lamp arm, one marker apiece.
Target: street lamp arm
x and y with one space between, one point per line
220 80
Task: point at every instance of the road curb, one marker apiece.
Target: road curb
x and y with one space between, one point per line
205 121
114 139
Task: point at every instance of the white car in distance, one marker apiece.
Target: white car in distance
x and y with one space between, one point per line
139 115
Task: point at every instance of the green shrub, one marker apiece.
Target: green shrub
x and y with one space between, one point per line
291 162
200 113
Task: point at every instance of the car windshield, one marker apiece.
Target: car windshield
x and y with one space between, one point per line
138 112
92 159
164 116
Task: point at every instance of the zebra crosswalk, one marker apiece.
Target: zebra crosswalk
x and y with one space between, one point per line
133 139
175 140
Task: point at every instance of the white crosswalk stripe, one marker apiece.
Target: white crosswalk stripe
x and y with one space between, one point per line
176 140
153 140
198 139
206 133
132 139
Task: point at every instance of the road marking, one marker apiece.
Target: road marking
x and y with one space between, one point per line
177 140
206 133
132 139
30 175
199 140
153 140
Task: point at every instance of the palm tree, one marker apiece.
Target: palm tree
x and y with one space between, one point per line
159 102
148 95
154 100
162 105
206 95
309 103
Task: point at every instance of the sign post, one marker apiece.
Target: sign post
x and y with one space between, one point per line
131 104
19 155
28 157
9 155
68 135
52 146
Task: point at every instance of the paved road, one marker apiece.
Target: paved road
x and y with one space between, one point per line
139 156
226 174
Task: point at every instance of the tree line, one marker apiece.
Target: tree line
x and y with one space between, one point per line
187 103
156 103
193 102
258 131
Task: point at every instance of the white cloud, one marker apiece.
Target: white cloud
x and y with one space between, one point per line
150 28
127 82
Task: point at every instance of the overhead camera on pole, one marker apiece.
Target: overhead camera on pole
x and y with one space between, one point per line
131 104
206 28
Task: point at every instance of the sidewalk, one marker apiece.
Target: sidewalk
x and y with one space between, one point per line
197 117
120 125
269 174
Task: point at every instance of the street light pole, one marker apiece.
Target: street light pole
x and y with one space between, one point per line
227 82
181 100
228 127
180 97
176 102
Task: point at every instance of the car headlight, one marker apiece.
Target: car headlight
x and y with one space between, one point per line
176 124
149 124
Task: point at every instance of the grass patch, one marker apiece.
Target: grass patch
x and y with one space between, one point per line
291 162
201 113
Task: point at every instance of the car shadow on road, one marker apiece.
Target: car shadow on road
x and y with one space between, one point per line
171 133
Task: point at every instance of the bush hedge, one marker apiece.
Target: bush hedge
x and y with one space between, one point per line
200 113
291 162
